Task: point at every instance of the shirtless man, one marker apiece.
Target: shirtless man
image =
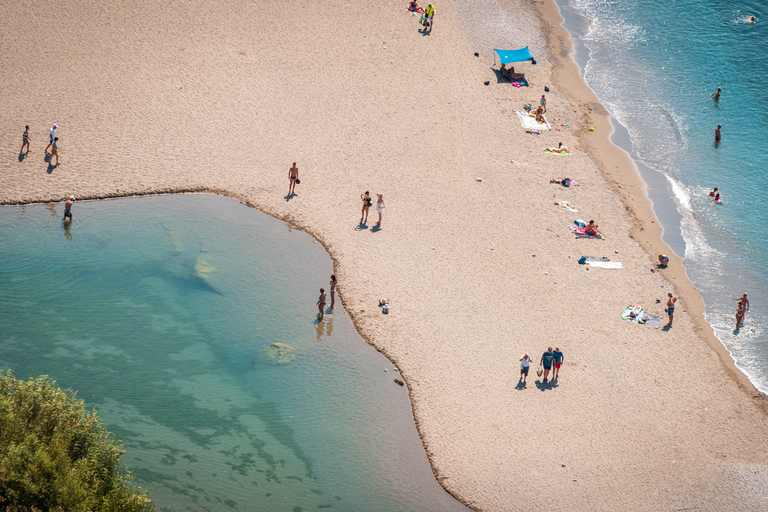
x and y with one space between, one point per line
68 209
713 192
718 135
671 308
716 96
293 175
743 305
591 228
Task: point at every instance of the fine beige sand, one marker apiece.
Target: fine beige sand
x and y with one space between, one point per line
154 96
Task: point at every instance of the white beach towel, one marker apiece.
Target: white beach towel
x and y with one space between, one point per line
568 206
606 264
530 123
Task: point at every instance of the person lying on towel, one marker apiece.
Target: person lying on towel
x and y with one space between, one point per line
562 148
509 72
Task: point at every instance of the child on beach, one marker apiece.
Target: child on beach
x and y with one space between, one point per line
55 149
543 102
663 260
25 139
52 136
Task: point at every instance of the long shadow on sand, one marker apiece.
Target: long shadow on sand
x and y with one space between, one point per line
544 386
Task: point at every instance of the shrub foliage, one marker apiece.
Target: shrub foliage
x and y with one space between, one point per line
54 455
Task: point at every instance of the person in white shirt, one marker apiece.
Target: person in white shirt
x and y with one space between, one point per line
525 364
52 137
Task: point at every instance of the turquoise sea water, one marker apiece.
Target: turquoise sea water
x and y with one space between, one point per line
654 66
160 311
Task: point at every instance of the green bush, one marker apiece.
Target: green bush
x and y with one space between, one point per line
56 456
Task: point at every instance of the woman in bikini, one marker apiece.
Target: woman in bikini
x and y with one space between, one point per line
321 303
366 204
562 148
333 291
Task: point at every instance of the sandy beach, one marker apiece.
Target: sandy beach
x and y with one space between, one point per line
152 97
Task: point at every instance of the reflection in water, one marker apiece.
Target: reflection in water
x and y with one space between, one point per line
68 230
327 323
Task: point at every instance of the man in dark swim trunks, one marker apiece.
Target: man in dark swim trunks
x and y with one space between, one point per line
546 360
293 175
68 208
671 308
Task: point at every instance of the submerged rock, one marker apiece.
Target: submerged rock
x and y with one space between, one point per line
278 353
203 268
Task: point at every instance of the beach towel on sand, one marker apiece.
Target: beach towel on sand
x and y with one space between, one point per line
606 264
530 123
567 206
553 153
582 233
641 317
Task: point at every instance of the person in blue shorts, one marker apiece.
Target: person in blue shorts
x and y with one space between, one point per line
558 361
546 360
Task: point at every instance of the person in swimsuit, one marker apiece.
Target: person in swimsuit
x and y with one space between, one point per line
713 192
663 260
379 207
671 308
525 365
540 114
55 149
717 198
293 175
591 228
321 303
546 360
68 208
740 312
716 96
561 148
544 102
743 301
25 139
333 291
52 136
718 134
366 204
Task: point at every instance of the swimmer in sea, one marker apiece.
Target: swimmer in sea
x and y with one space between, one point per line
718 134
713 192
717 198
716 96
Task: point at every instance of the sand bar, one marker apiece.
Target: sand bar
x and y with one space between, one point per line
223 96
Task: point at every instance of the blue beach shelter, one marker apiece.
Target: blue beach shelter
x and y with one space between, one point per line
520 55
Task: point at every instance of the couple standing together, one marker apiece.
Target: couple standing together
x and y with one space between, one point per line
367 203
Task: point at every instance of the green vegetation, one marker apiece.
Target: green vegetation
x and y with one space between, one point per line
56 456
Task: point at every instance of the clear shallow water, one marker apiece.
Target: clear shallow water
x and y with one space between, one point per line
654 66
158 310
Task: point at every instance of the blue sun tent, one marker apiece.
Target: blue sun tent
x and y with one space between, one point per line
520 55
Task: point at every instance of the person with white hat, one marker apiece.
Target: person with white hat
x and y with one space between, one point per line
68 209
52 137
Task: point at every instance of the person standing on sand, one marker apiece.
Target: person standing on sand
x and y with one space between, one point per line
366 204
429 14
25 139
543 103
379 207
558 361
546 360
718 134
525 365
55 149
68 208
52 136
716 96
321 303
333 291
293 175
671 308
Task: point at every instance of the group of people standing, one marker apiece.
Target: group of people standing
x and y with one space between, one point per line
551 360
53 142
323 298
367 203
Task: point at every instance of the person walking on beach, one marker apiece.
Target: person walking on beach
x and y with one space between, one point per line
429 14
379 207
558 361
68 208
366 204
525 365
546 360
55 150
25 139
671 308
718 134
716 96
52 136
321 303
293 177
333 291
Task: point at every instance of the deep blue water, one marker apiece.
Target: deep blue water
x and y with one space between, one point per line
161 312
654 66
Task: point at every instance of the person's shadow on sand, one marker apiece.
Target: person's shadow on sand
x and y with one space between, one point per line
666 327
521 384
543 386
376 228
22 156
289 197
361 226
50 169
426 32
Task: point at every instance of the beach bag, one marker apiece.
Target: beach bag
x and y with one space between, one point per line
582 260
423 17
566 182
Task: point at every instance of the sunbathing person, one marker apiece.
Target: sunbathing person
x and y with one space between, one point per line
412 5
560 149
591 228
540 114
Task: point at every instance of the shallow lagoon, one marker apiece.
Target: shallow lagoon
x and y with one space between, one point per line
160 311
